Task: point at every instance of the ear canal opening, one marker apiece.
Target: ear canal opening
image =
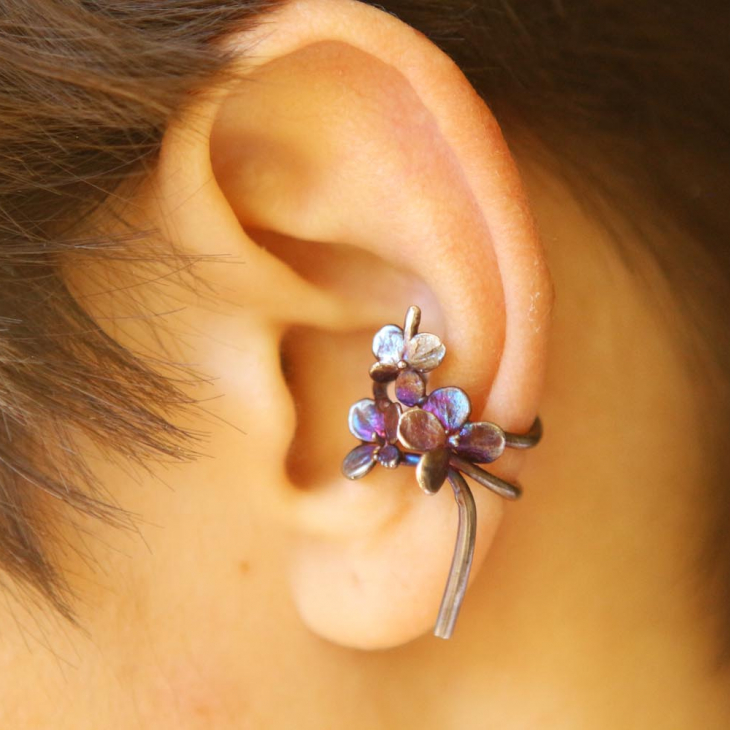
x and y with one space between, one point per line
325 373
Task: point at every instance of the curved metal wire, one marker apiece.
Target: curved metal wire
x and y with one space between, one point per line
495 484
525 440
463 556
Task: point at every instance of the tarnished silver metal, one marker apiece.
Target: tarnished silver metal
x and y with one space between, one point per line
527 440
432 432
497 485
432 470
463 555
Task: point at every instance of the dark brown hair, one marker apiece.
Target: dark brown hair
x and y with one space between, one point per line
88 87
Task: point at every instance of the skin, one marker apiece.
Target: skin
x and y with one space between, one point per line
258 588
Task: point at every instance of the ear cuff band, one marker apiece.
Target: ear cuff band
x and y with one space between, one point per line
431 432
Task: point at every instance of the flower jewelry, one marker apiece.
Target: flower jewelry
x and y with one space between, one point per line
377 428
433 433
405 356
439 429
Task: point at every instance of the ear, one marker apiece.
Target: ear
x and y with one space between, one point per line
349 172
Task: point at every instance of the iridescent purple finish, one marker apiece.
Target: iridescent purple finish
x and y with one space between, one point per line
389 456
481 443
376 424
429 422
360 461
366 421
410 387
451 406
389 345
442 419
432 433
401 349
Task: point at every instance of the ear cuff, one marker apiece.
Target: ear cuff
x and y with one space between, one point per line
431 432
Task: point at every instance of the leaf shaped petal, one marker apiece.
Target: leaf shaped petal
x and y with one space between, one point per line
481 443
389 344
419 430
410 387
360 461
432 470
451 406
366 421
424 352
383 373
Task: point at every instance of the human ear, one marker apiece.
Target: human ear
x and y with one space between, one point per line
349 172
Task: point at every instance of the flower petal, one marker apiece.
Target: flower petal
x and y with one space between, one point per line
389 456
410 387
432 470
451 406
424 352
481 443
391 416
388 345
383 373
366 421
419 430
360 461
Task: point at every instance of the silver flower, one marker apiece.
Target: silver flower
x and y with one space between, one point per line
405 356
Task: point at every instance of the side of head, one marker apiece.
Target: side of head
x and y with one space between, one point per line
188 305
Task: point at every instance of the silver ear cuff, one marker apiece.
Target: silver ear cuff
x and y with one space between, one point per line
431 432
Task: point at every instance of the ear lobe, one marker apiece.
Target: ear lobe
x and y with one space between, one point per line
350 133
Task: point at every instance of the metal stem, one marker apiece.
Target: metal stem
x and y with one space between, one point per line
463 555
380 391
525 440
410 459
412 323
500 486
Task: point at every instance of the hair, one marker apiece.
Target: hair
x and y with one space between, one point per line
640 88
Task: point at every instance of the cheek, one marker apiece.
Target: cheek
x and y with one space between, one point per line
194 628
194 668
189 696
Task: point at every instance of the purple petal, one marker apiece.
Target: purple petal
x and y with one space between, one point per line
391 416
479 442
424 352
419 430
366 421
359 461
388 345
451 406
389 456
410 387
432 470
